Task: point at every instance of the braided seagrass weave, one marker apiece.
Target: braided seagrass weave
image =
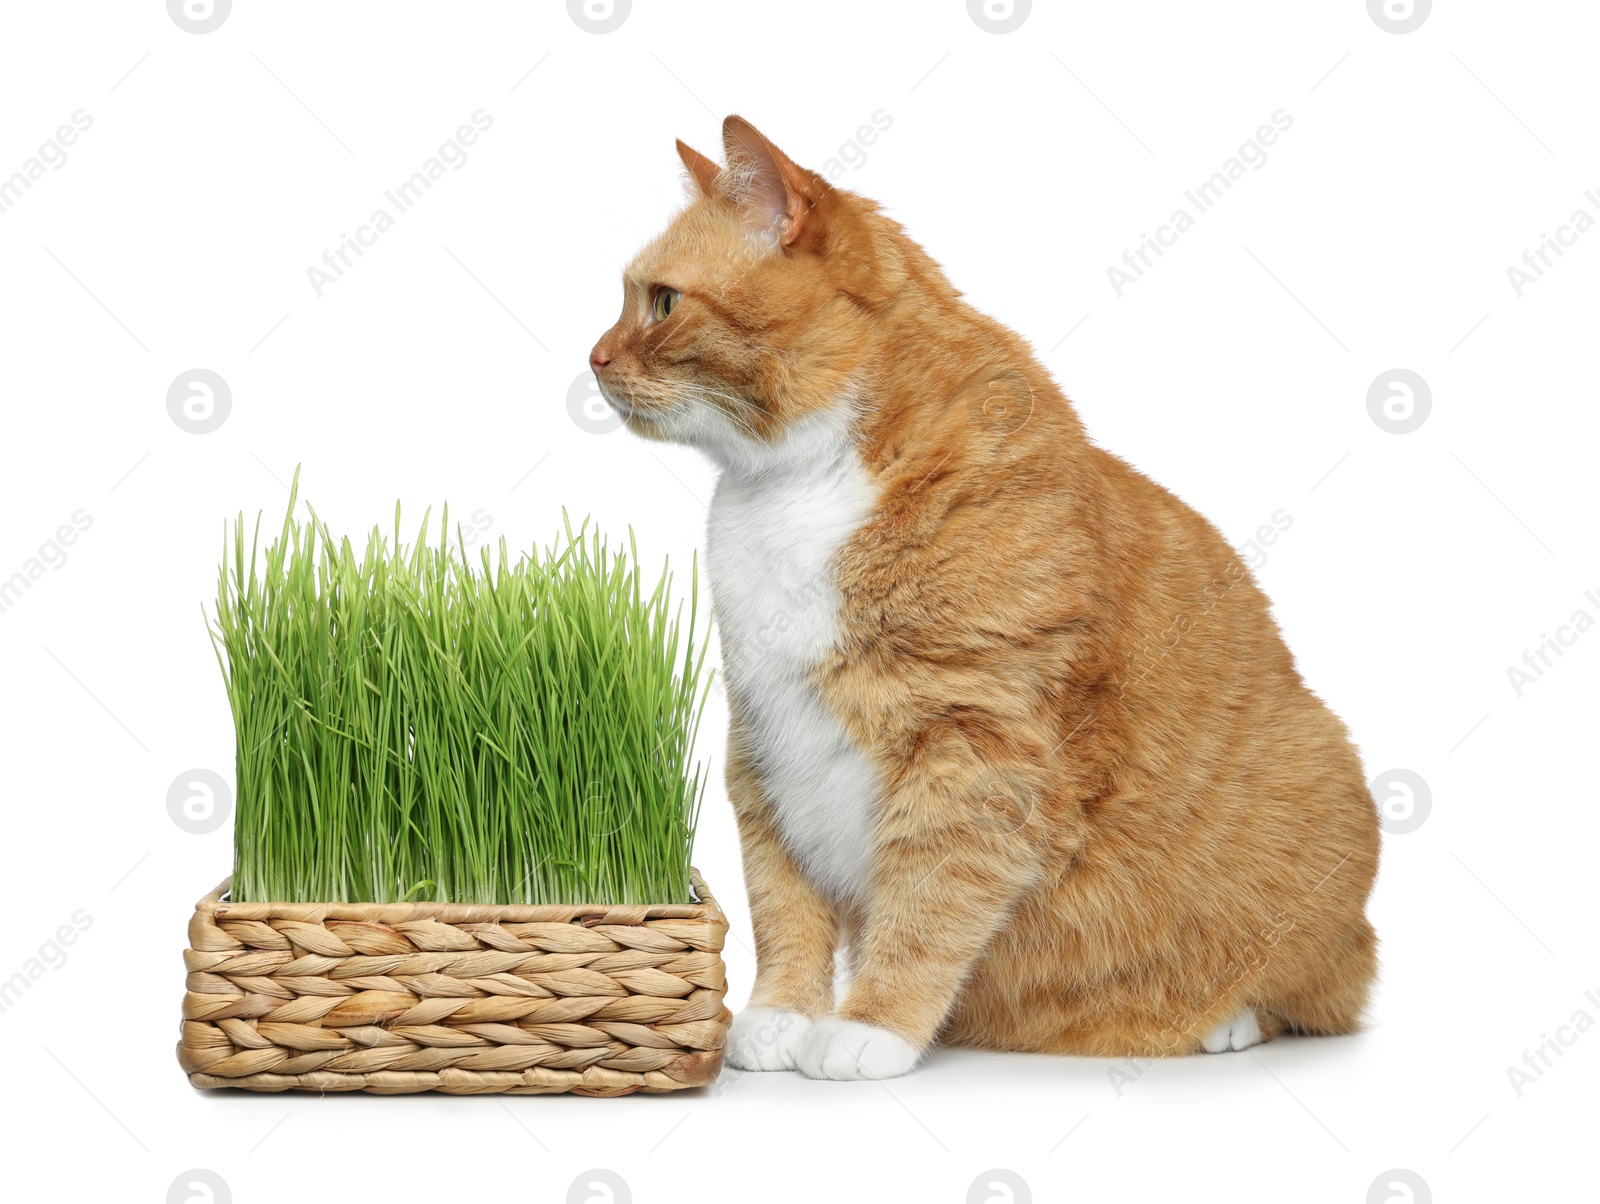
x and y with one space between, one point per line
400 997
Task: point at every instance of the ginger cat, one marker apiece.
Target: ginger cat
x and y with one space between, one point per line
1008 719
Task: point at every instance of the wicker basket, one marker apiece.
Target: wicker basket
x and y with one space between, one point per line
400 997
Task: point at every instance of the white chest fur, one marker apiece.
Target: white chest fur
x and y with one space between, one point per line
773 533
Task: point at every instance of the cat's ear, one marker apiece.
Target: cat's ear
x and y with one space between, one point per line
701 169
774 195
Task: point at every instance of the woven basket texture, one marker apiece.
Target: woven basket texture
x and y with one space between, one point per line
392 998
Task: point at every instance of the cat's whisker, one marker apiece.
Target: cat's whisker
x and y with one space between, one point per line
697 395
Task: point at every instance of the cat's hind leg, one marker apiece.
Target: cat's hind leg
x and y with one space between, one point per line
1239 1031
1328 994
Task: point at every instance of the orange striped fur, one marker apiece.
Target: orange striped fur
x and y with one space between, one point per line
1107 814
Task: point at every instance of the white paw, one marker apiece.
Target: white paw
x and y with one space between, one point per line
834 1048
765 1038
1241 1032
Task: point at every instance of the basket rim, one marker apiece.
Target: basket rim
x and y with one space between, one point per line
590 914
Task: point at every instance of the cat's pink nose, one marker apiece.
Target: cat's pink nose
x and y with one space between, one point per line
599 357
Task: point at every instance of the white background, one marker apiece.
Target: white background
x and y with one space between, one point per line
1418 568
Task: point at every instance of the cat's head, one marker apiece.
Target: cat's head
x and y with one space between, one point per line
752 311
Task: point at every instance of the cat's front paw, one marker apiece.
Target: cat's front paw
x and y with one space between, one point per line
836 1048
765 1038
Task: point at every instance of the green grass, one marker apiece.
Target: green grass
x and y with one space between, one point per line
411 727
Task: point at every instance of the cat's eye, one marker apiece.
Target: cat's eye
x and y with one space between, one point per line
666 301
